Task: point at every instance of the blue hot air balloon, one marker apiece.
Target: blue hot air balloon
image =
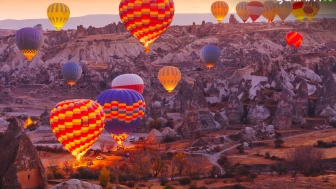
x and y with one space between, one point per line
210 55
71 72
29 41
124 109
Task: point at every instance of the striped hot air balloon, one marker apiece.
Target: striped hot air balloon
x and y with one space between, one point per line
209 55
29 41
284 9
128 81
298 10
169 77
58 14
270 11
242 12
124 109
311 9
77 124
294 38
71 72
255 9
146 20
219 9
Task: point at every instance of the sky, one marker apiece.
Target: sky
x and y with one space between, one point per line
30 9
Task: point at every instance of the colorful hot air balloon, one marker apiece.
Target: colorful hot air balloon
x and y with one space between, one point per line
146 20
311 8
169 77
219 9
209 55
242 12
255 9
71 72
29 41
77 124
270 11
284 9
128 81
124 109
298 11
294 38
58 14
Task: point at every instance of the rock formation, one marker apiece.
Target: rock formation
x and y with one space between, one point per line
155 136
233 20
21 166
327 95
258 114
235 109
283 115
75 184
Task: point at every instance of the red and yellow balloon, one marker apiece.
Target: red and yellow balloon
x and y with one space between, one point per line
146 19
77 124
294 38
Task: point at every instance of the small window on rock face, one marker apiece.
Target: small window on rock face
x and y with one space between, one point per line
28 177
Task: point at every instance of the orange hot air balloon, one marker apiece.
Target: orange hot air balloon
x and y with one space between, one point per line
169 77
146 19
77 124
294 38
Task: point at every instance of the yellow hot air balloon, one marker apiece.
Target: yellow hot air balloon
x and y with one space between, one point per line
169 77
58 14
242 12
284 9
219 9
311 9
298 10
270 11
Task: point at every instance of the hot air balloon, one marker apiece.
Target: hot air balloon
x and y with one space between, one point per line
269 12
169 77
58 14
311 8
284 9
39 27
146 20
255 9
29 41
219 9
209 55
128 81
124 110
294 38
298 11
77 124
242 12
71 72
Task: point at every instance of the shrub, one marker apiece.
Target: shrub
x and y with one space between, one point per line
240 148
169 186
58 174
104 177
267 155
168 139
85 173
278 142
163 181
322 144
185 181
130 184
195 187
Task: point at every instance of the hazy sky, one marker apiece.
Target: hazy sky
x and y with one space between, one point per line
28 9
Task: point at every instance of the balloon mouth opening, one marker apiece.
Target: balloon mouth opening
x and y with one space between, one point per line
210 65
170 91
120 138
78 156
58 28
71 83
146 46
29 54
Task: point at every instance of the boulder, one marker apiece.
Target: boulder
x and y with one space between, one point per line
155 137
76 184
168 132
162 122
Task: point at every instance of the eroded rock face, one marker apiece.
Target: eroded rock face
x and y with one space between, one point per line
327 95
258 114
283 115
235 109
20 165
76 184
233 20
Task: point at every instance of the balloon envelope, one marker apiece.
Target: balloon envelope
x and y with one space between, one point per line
270 11
294 38
71 72
169 77
298 10
219 9
146 20
29 41
255 9
124 109
58 14
128 81
284 9
77 124
311 9
209 55
39 27
242 12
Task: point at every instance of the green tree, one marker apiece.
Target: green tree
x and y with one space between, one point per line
104 177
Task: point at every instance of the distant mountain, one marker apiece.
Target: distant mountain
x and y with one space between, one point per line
104 19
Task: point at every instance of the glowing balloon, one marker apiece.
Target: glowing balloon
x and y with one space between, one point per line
270 11
209 55
128 81
219 9
77 124
242 12
169 77
255 9
284 9
294 38
71 72
58 14
124 109
29 41
298 11
311 9
146 20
